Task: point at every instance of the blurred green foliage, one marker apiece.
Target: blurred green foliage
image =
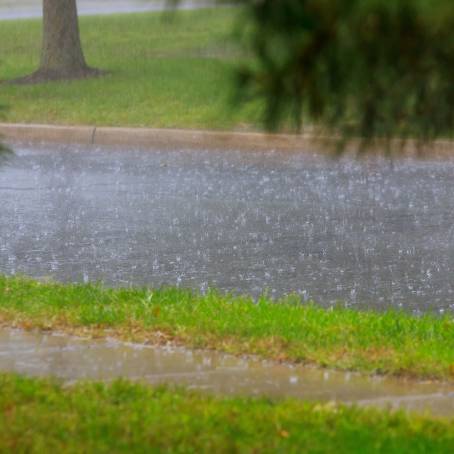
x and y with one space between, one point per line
359 68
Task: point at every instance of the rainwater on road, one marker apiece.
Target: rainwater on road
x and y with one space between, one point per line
21 9
69 359
371 234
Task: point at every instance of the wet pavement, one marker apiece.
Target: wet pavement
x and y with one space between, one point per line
368 233
20 9
69 359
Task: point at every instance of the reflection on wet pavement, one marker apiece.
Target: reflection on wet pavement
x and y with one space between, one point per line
368 233
69 358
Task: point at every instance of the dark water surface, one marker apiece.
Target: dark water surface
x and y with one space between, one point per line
369 233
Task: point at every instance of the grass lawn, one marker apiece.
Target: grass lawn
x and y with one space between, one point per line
41 416
176 73
389 343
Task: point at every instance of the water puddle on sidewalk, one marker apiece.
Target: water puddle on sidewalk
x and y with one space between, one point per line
69 359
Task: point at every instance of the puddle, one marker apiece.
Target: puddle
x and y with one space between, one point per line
69 359
366 233
21 9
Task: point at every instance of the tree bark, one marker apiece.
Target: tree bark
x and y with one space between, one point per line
62 57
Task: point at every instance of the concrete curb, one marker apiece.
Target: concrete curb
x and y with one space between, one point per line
46 133
188 139
153 138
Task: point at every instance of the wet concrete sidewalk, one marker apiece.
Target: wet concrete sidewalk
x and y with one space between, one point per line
70 359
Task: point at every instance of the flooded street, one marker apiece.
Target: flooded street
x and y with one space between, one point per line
69 358
370 234
20 9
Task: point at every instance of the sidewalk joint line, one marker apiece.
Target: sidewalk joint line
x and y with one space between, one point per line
93 134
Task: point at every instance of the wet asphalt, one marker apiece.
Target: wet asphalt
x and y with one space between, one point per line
369 234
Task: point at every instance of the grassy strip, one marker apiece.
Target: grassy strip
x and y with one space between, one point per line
391 342
41 416
163 73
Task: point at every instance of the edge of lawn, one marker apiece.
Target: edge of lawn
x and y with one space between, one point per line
386 343
40 415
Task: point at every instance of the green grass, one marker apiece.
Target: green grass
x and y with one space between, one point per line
176 73
41 416
390 343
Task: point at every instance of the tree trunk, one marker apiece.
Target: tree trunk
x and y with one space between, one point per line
62 57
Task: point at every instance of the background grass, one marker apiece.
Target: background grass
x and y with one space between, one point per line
389 343
41 416
164 71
